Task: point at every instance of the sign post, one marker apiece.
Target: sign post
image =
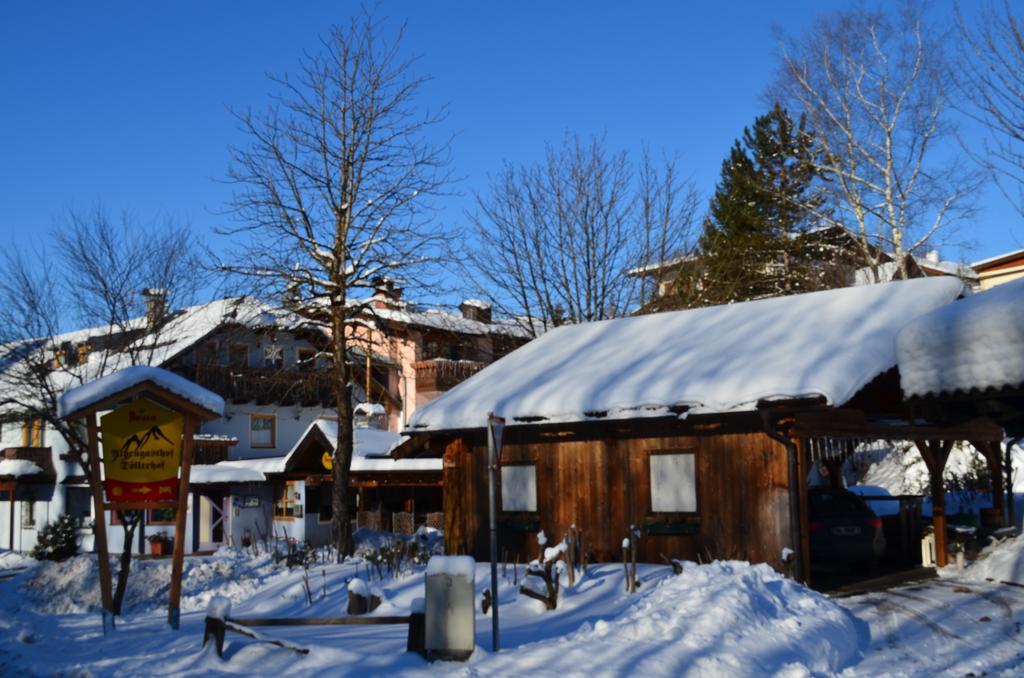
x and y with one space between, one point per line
495 429
150 419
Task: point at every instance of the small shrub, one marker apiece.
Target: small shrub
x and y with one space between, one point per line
57 540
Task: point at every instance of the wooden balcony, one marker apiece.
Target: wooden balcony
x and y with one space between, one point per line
40 456
264 386
442 374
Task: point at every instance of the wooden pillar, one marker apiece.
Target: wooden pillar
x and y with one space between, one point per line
100 515
454 498
992 453
803 467
10 488
935 453
173 607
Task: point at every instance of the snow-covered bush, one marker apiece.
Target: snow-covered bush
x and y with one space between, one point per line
57 540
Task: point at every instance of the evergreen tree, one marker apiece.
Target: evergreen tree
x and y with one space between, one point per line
754 241
57 540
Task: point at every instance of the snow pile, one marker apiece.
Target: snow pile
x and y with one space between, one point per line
18 468
83 396
975 343
14 560
1003 563
726 618
710 359
72 586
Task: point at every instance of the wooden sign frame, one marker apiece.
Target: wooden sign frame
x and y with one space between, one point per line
193 415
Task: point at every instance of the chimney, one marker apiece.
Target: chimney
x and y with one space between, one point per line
386 293
474 309
156 305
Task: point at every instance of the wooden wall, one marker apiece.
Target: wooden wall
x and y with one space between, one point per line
602 485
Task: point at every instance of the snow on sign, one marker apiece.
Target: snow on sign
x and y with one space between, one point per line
141 452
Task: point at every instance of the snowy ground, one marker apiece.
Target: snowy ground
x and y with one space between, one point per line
725 618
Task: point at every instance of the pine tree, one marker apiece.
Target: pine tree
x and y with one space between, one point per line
57 540
754 240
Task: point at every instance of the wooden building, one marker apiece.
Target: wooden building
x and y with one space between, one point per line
697 428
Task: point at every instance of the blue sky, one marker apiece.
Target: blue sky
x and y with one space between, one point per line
126 104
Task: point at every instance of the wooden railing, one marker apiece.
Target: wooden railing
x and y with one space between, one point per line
442 374
264 386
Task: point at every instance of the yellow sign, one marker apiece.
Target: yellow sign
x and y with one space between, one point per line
141 452
327 461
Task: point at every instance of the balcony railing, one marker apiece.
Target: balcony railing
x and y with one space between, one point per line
264 386
442 374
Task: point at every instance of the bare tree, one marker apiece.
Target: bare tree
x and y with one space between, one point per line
556 240
873 85
92 278
332 195
991 79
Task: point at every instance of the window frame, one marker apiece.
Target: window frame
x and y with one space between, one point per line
255 416
151 520
536 489
83 522
281 500
232 348
696 482
32 432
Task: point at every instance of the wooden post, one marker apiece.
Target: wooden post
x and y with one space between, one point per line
803 466
992 453
10 488
173 606
100 520
935 453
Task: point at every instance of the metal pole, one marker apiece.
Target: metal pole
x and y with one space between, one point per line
492 468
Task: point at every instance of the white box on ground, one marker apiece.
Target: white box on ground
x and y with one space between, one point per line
450 614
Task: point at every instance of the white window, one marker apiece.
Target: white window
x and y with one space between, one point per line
261 430
673 482
519 488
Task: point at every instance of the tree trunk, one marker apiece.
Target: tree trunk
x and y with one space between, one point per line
341 524
130 525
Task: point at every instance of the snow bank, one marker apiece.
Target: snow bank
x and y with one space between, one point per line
726 618
88 394
72 586
710 359
975 343
1003 562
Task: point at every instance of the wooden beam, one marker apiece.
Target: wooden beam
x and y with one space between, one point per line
935 453
992 453
100 520
177 563
152 391
847 423
322 621
803 468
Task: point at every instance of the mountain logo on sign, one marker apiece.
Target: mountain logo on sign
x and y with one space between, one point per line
135 442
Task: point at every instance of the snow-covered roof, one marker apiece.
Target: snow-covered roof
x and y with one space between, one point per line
181 331
83 396
974 344
718 359
371 449
225 472
447 321
998 259
19 467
